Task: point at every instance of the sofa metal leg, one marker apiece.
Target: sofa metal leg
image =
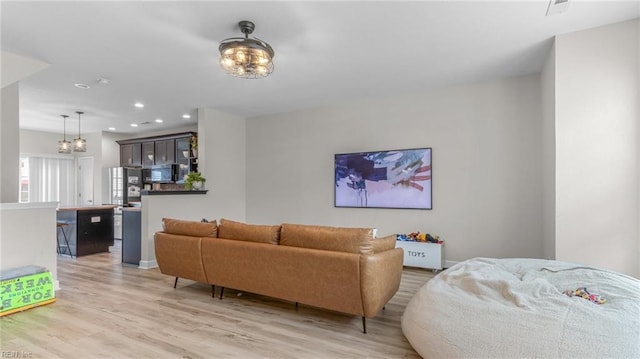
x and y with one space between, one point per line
364 325
221 291
296 305
213 291
175 283
385 307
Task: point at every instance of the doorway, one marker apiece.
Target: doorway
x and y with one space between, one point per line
85 181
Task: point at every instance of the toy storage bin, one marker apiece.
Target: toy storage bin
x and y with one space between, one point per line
422 254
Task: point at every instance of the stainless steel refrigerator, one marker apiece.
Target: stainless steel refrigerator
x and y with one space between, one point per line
121 185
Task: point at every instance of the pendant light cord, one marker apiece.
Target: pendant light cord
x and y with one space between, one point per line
64 127
79 113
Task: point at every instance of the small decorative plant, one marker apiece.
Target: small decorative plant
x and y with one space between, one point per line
194 145
194 180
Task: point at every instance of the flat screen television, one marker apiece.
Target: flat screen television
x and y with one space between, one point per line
384 179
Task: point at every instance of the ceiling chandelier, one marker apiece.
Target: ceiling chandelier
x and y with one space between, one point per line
245 57
64 146
79 144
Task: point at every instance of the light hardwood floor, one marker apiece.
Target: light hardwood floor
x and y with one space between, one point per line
107 310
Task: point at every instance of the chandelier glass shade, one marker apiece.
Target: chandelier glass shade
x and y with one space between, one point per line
245 57
64 146
79 144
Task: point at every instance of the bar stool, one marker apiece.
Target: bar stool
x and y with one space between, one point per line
60 226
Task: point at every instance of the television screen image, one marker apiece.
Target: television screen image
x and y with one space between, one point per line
384 179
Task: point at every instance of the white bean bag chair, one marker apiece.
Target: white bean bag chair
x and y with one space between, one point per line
517 308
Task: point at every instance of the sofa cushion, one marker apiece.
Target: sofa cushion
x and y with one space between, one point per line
190 228
350 240
384 243
248 232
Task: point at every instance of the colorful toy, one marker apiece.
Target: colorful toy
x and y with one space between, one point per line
419 237
583 293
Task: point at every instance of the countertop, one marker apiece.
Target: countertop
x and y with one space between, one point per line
131 209
87 208
169 192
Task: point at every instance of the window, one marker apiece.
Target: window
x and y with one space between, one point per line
24 180
47 179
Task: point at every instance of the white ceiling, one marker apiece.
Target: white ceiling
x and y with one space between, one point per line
165 55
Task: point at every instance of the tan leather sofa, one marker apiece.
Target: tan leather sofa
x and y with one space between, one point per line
341 269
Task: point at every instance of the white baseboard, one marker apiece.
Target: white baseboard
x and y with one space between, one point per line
148 264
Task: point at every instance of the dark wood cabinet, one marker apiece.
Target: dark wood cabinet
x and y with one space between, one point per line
131 236
89 229
185 158
148 154
183 148
160 150
131 155
165 152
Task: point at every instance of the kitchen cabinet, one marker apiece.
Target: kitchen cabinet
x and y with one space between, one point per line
185 158
89 229
131 155
160 150
131 236
165 152
148 154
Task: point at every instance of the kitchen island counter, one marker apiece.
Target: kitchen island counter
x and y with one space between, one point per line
87 208
172 192
89 230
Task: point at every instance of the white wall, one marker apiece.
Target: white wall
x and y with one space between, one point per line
154 208
9 144
548 82
14 68
111 149
597 147
41 143
221 150
28 236
487 158
94 151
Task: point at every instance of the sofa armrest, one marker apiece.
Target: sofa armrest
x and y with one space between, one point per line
380 276
180 256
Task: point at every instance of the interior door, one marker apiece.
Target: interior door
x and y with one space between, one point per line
85 181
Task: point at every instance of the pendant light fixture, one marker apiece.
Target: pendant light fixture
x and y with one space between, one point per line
64 146
79 144
245 57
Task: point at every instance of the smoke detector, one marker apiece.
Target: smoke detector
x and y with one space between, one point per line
557 7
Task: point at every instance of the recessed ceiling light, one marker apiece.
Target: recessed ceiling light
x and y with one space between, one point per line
186 116
139 105
134 125
158 120
112 128
82 86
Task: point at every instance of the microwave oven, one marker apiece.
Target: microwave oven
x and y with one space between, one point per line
164 173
